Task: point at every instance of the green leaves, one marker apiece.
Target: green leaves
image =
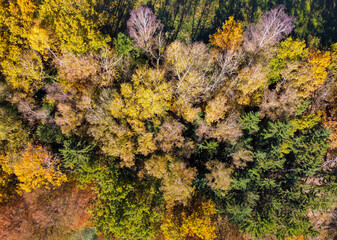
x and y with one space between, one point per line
273 188
250 122
126 207
75 154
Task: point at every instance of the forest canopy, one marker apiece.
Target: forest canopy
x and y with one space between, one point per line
135 120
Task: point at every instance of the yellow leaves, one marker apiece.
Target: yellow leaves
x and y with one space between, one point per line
319 61
306 77
230 37
157 165
303 70
26 73
149 78
292 50
147 99
74 25
198 221
306 122
38 168
27 8
39 39
251 81
146 144
186 110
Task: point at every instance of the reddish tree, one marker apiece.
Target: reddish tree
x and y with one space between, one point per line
44 214
272 27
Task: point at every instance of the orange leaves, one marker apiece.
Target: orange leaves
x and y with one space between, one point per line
319 62
230 37
38 168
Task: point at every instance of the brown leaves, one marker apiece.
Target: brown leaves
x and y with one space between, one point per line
170 135
43 214
177 184
219 177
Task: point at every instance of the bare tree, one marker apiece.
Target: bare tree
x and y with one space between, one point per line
272 27
147 32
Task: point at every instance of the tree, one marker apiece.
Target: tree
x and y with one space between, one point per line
13 136
157 165
229 37
146 99
26 73
126 207
219 177
170 135
177 184
272 27
195 220
190 64
146 30
275 193
45 214
38 168
75 154
74 25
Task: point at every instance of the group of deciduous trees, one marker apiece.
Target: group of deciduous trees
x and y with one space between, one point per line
147 133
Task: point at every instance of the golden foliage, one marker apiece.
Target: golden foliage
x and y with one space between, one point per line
157 165
216 109
148 98
146 144
230 37
319 62
252 80
26 73
38 168
74 25
291 50
198 221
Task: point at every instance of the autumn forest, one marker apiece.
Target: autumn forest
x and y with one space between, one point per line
168 120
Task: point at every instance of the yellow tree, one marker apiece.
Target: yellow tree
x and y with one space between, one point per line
319 62
74 25
38 168
146 99
21 63
230 37
196 220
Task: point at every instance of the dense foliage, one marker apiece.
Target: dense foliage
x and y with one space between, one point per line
168 119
